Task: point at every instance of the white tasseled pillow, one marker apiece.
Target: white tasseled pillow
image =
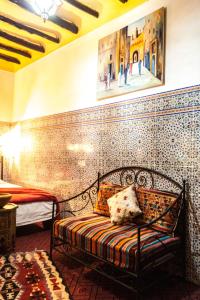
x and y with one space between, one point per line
123 206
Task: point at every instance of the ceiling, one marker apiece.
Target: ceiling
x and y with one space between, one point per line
25 37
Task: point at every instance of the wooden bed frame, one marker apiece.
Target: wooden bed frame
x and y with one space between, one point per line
140 177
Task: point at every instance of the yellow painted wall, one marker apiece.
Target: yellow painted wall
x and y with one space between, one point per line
59 82
66 79
6 95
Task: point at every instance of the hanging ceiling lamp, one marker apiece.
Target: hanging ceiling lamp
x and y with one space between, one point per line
46 8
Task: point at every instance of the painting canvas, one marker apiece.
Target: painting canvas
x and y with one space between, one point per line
132 58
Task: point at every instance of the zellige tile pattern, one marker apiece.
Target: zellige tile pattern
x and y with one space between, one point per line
160 131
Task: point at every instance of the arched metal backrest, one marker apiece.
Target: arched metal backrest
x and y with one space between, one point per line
148 179
139 176
142 177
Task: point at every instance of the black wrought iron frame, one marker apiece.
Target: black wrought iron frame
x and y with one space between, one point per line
128 175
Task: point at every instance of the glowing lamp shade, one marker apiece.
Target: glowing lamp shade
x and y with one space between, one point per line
46 8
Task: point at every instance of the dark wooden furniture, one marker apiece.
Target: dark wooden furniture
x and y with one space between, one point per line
7 228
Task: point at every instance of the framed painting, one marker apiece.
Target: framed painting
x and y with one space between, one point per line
133 57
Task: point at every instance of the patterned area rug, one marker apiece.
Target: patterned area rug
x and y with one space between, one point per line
30 275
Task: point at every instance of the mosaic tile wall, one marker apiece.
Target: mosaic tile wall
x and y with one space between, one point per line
161 131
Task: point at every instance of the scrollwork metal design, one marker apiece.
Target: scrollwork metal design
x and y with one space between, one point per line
144 178
93 194
127 177
88 196
138 177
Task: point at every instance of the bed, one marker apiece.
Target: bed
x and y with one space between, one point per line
34 205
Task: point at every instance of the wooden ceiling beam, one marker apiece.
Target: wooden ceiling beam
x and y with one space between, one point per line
70 26
15 50
10 59
55 19
37 47
28 29
84 8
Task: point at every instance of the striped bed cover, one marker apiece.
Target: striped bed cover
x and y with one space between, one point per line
117 244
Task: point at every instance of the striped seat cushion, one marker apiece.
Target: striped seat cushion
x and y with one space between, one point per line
115 243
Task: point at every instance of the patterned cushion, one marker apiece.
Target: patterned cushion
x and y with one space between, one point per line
116 243
106 190
123 206
153 203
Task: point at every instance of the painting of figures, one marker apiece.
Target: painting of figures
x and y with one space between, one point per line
132 58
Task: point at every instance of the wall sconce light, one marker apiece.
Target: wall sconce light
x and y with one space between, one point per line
46 8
